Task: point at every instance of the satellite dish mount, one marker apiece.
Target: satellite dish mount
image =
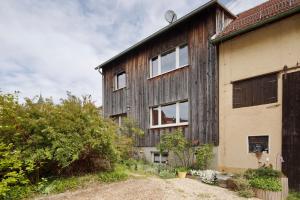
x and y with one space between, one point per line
170 16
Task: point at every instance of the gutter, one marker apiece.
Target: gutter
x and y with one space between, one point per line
167 28
255 26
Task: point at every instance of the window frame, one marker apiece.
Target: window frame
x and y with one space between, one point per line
177 61
161 155
178 123
116 87
263 135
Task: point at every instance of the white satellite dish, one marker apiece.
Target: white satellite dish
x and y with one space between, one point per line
170 16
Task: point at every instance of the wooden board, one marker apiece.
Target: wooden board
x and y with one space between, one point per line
291 129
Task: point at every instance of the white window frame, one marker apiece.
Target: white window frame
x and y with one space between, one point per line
160 156
177 66
116 81
160 125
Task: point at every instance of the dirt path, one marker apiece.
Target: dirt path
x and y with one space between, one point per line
148 188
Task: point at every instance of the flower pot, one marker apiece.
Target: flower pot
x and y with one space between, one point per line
182 174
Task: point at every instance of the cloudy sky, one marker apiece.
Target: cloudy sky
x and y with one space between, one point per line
52 46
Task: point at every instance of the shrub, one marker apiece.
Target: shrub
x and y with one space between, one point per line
242 187
264 183
167 174
12 170
204 155
262 172
175 142
118 174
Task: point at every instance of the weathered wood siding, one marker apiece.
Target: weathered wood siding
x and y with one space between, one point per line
198 82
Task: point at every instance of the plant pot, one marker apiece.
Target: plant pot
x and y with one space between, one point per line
182 174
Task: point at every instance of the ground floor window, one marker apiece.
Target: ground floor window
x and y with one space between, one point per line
160 158
258 144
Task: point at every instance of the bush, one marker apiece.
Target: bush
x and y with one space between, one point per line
12 171
67 138
242 187
118 174
204 155
270 184
175 142
167 174
262 172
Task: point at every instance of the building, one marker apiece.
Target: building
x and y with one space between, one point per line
259 89
169 80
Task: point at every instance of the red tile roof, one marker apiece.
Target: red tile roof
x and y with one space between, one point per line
259 14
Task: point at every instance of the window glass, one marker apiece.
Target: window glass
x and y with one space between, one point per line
154 65
164 157
183 55
184 112
258 144
168 61
121 80
154 116
156 158
168 114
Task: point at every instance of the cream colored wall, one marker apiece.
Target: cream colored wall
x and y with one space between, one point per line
264 50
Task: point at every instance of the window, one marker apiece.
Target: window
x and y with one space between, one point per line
168 61
255 91
258 144
120 80
169 115
160 158
171 60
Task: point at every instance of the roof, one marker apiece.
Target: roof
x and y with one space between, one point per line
167 28
258 16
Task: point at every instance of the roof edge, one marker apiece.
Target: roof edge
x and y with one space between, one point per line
256 25
166 28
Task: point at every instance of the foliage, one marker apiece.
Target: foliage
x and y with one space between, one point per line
181 169
175 142
294 196
12 170
204 155
242 186
57 185
125 142
262 172
118 174
167 174
270 184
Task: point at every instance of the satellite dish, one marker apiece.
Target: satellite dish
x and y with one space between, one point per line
170 16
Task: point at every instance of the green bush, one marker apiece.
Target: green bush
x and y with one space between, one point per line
204 155
176 143
262 172
264 183
13 170
57 185
242 186
66 138
167 174
118 174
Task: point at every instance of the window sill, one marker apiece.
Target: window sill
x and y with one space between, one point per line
169 125
168 72
116 90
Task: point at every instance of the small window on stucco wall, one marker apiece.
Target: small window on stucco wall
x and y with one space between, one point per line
258 144
255 91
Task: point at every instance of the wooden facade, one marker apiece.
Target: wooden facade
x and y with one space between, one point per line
197 82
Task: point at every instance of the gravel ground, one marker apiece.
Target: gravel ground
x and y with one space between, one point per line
148 188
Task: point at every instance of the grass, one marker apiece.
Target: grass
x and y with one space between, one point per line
294 196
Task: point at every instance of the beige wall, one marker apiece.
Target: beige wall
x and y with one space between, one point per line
264 50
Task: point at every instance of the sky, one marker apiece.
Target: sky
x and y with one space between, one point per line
49 47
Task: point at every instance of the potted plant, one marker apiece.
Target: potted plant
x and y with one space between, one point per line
181 172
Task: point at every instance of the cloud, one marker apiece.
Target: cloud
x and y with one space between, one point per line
52 46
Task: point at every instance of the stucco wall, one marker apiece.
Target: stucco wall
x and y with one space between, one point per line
258 52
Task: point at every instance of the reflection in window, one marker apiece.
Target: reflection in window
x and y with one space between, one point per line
168 114
168 61
183 55
121 80
258 144
154 66
184 112
155 116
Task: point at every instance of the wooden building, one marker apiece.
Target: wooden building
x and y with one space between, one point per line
259 90
170 79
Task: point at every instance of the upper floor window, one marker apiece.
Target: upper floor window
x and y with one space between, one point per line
169 115
120 80
255 91
168 61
